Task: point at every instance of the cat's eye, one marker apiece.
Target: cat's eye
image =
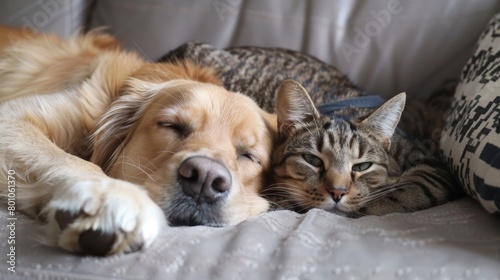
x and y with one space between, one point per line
361 166
313 160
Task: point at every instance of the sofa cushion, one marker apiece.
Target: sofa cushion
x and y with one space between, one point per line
387 46
470 141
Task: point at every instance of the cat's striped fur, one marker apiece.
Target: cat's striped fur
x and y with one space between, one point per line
357 166
415 178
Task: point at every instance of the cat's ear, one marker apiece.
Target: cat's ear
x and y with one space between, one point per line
293 107
384 120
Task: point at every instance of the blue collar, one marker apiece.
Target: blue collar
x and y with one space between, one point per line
365 102
368 102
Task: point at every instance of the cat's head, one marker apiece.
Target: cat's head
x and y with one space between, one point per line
332 163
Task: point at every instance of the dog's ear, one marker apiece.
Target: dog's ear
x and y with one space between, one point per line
113 130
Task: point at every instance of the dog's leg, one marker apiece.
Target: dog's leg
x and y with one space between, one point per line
84 210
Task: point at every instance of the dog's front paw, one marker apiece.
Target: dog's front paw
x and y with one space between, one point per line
102 216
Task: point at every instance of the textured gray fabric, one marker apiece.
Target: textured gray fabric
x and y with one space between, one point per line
386 46
458 240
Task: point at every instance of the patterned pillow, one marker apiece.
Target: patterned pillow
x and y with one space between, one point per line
470 141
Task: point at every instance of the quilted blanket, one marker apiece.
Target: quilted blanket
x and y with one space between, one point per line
458 240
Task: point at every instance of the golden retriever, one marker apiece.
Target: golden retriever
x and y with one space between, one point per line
107 148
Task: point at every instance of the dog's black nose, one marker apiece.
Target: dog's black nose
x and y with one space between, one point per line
204 179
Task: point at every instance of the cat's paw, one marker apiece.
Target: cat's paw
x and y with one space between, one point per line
102 216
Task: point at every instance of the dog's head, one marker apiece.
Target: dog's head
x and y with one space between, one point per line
203 153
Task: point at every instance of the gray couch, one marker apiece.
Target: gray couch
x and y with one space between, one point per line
386 46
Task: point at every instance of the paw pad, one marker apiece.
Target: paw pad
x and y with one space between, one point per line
64 218
96 242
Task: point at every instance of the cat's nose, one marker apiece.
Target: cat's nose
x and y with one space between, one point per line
338 193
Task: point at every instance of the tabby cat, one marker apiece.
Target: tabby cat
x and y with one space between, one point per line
356 166
378 172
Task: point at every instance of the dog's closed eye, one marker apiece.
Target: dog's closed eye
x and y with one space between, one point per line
182 130
244 154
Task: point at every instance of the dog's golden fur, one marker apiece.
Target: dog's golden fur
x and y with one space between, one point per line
96 137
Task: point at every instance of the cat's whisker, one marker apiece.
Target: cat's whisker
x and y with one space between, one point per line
290 196
382 193
285 194
353 212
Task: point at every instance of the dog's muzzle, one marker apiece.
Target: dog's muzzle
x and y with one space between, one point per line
204 184
204 179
